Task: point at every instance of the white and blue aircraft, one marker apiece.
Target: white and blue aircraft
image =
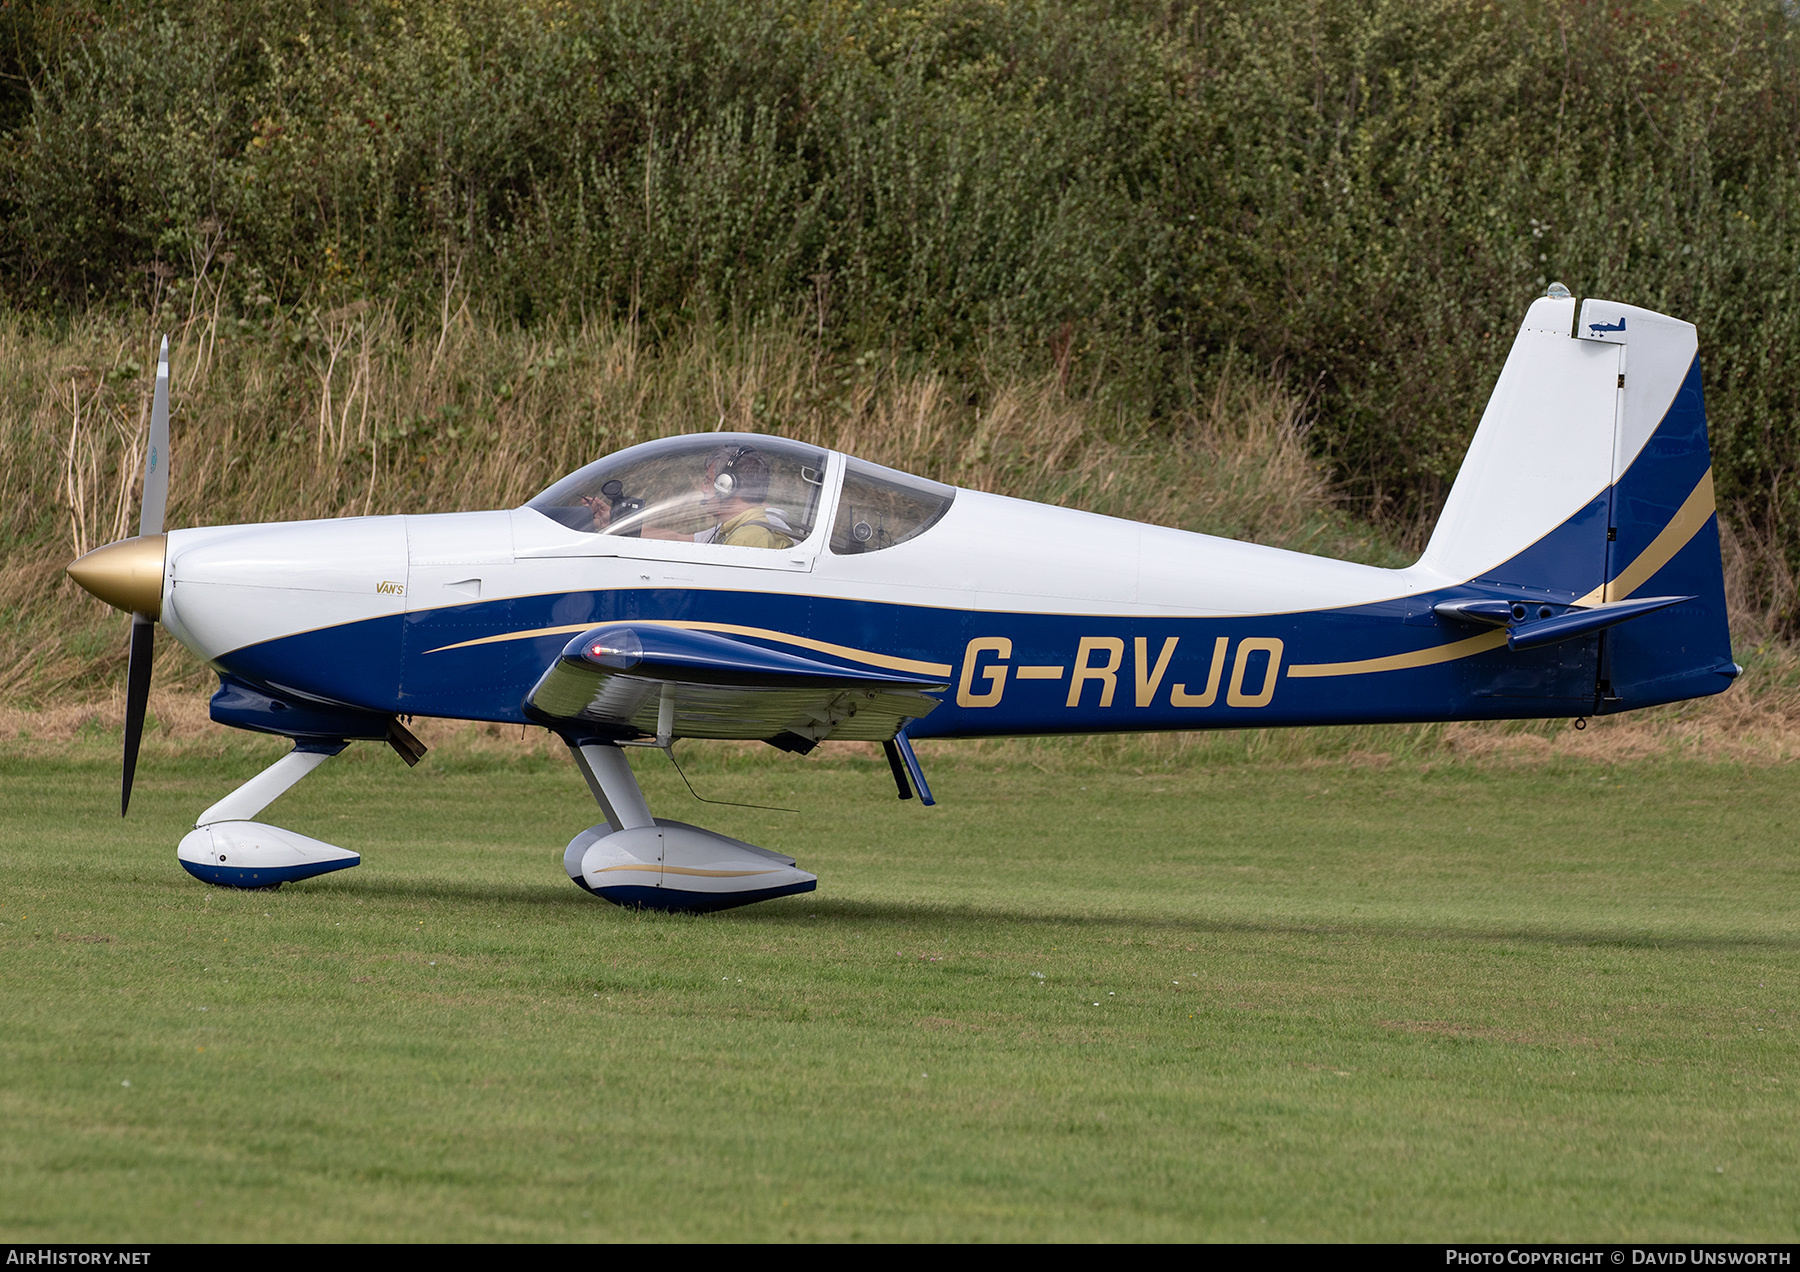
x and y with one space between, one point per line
737 586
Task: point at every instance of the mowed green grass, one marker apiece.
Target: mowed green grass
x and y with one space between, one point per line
1074 1001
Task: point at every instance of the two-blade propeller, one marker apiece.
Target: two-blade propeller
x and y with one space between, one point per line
129 574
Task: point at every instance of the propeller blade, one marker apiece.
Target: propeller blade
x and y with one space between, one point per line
143 626
137 697
156 461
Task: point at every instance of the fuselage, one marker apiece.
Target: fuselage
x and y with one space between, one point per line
1037 619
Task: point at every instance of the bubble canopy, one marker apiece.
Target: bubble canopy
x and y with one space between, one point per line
743 490
732 488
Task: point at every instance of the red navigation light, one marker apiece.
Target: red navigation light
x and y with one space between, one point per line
620 649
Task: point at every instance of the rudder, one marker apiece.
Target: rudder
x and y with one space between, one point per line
1665 528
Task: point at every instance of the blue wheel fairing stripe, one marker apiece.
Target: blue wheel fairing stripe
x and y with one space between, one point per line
263 876
642 898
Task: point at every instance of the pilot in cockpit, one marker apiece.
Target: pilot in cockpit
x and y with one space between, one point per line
736 488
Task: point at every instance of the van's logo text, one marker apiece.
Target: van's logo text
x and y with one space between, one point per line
391 589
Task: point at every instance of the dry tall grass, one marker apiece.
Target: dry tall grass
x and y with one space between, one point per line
348 412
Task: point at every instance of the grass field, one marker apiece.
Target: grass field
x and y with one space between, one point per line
1080 999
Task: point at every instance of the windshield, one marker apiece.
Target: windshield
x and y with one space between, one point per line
736 489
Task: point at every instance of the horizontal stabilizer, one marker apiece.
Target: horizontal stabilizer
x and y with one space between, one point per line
1533 624
1581 622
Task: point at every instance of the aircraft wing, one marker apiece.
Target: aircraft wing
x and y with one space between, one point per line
635 681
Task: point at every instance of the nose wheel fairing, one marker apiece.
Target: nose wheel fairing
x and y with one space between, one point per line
247 854
226 848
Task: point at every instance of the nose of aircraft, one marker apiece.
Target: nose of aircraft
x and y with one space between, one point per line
127 575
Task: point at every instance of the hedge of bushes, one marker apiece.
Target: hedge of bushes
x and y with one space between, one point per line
1363 193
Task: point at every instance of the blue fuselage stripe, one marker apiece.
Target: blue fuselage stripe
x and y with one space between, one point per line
1087 674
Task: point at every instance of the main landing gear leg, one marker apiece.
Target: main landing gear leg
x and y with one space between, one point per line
634 859
227 848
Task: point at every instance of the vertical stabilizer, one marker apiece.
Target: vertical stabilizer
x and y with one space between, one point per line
1529 507
1590 480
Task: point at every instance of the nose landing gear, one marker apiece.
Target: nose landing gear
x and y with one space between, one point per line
227 848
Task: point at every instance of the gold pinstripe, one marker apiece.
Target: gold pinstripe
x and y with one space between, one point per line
1684 525
651 866
1398 662
886 661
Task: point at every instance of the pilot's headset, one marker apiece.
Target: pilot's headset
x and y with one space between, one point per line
744 474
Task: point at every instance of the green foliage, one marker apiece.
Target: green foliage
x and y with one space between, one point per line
1365 193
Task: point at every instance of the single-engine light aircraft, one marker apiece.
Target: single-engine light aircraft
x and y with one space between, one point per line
729 585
